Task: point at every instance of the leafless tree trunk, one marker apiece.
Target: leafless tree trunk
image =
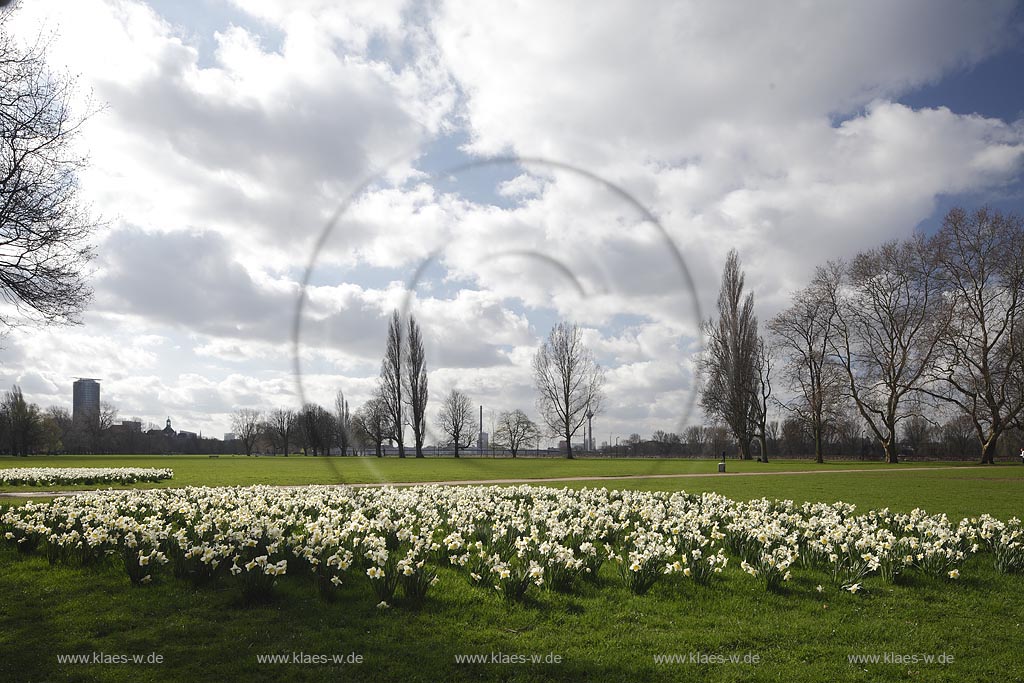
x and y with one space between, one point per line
889 316
391 382
456 419
729 363
981 364
514 430
245 422
416 375
762 397
43 228
569 381
803 333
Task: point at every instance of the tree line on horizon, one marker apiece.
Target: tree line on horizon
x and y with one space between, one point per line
568 379
914 346
907 342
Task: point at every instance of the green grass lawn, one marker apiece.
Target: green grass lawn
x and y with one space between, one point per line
193 470
198 470
997 490
601 633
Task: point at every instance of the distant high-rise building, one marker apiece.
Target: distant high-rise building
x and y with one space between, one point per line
86 404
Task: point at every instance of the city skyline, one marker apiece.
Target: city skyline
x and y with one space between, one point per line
223 137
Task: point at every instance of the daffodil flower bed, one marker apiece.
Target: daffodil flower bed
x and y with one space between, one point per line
511 540
64 476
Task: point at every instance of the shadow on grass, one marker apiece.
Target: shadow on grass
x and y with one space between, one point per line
601 632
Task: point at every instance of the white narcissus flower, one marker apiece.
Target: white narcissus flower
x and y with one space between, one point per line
566 531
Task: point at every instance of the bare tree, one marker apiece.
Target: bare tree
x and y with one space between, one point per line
61 419
717 438
728 365
847 430
317 427
917 431
44 230
343 422
49 434
281 425
569 381
889 317
695 437
22 423
391 382
416 376
981 364
456 420
762 396
959 436
515 429
246 422
792 435
802 333
372 421
99 431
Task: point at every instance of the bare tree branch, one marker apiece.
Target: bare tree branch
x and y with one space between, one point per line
44 229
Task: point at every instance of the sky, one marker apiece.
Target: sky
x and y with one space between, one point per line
492 168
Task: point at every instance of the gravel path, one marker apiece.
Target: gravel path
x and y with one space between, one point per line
544 480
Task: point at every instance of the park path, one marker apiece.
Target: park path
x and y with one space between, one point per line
545 480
